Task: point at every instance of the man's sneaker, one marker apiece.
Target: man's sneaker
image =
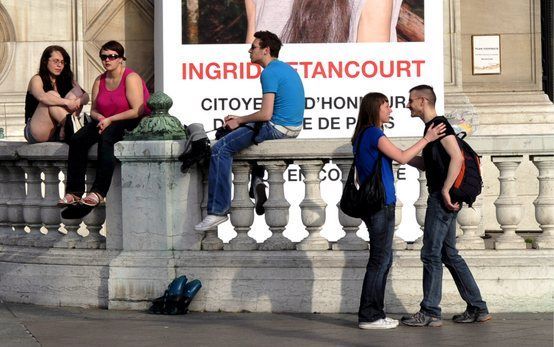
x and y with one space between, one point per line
259 195
210 222
470 317
420 319
383 323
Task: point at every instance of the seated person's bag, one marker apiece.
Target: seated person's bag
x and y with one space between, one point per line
73 123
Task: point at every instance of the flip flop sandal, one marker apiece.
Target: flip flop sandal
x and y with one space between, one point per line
68 200
92 199
78 211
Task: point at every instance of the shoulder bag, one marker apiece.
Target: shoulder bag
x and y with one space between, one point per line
369 197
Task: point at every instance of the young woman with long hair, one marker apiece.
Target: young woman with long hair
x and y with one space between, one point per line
52 94
374 112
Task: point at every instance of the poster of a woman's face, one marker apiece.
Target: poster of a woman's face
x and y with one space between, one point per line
303 21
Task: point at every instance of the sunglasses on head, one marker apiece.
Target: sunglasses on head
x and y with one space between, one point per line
109 56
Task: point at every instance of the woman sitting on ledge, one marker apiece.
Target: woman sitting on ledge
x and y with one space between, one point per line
118 101
45 108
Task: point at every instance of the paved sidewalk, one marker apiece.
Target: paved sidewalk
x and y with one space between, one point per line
29 325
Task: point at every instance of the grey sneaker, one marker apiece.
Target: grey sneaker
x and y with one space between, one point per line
382 323
471 317
420 319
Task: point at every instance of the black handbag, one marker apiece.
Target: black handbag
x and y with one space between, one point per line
370 196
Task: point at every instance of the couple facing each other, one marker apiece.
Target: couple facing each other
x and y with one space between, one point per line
439 236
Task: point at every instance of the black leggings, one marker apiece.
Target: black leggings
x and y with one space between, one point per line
79 146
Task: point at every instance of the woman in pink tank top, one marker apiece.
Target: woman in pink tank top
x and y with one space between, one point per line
119 98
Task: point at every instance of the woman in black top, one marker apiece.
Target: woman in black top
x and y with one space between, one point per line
52 94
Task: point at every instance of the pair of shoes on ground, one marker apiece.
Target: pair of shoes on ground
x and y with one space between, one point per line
257 192
381 323
210 222
420 319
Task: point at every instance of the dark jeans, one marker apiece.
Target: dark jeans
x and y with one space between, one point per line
381 231
439 246
79 145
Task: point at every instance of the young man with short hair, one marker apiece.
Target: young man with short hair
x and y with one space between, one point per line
281 114
442 160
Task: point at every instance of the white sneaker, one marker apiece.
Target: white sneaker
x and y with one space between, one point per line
383 323
210 222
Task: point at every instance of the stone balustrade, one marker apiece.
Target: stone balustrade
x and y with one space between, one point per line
30 188
144 236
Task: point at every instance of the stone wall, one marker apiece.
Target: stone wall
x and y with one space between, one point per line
81 27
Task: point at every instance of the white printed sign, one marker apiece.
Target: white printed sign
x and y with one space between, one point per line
209 81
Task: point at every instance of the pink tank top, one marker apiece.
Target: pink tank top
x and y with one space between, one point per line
110 102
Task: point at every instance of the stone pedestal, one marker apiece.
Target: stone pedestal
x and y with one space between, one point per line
160 206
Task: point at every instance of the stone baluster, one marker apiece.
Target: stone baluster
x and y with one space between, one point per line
469 219
210 242
276 208
312 207
397 243
5 227
94 220
350 225
32 204
242 210
71 225
421 208
508 205
544 203
50 212
15 203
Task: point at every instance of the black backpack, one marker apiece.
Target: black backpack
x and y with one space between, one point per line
469 182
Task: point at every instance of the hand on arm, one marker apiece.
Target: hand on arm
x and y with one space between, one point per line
451 146
263 115
406 156
84 97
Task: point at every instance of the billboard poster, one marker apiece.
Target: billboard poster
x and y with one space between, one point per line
352 48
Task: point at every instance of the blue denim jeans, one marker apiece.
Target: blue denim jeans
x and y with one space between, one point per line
439 247
381 231
221 162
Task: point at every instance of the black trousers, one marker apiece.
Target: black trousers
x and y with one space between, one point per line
79 146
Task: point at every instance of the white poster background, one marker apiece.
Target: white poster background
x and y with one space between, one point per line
195 100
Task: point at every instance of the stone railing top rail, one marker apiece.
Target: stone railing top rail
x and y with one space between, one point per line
340 148
505 145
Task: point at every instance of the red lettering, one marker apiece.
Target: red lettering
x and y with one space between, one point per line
374 69
418 64
319 70
403 65
335 69
391 69
213 71
257 71
347 69
305 65
229 69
